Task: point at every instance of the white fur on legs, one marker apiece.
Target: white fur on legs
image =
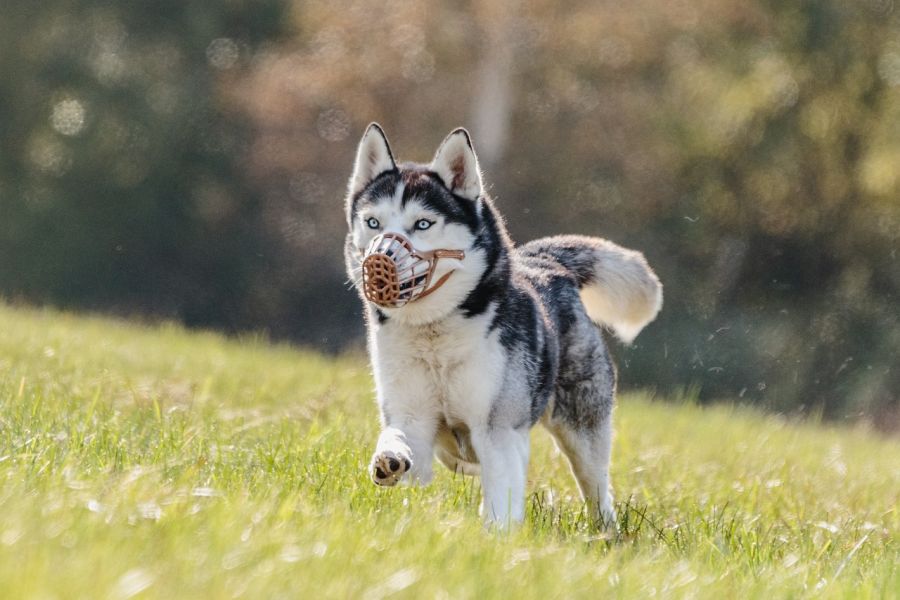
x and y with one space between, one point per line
589 452
400 452
409 413
503 454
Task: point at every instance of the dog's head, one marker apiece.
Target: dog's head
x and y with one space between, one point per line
434 207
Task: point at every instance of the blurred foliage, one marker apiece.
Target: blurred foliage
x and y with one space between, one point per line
189 159
120 185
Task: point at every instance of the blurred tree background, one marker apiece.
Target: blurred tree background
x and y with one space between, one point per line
187 160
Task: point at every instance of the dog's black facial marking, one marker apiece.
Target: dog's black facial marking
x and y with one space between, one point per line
382 186
426 187
422 185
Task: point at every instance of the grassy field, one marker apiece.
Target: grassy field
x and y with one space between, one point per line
152 462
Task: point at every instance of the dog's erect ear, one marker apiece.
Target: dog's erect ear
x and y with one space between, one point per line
456 164
373 157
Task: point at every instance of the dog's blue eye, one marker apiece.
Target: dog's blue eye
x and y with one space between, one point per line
423 224
373 223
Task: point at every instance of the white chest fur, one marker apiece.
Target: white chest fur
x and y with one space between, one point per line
453 368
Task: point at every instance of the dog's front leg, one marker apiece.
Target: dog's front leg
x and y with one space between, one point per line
503 453
409 424
403 448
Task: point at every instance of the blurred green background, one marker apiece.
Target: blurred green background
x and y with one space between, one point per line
187 160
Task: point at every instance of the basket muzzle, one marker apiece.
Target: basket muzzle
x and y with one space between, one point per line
395 273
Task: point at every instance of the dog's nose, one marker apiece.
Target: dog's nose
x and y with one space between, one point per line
380 281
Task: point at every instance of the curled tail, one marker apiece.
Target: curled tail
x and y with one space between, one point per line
618 287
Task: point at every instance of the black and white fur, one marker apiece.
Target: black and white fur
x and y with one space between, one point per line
511 339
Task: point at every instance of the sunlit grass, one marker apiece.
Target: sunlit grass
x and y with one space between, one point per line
169 464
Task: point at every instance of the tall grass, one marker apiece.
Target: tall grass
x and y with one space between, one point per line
152 462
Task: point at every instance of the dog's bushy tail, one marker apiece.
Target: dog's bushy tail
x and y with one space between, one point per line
618 287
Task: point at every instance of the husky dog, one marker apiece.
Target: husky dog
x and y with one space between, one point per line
507 337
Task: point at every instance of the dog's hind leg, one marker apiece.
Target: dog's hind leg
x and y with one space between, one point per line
580 415
457 465
453 448
588 451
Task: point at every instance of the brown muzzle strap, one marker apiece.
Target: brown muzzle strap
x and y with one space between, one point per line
457 254
395 273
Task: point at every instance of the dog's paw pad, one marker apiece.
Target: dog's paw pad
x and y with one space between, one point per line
388 467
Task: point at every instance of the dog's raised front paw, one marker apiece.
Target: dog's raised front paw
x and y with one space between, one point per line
388 467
